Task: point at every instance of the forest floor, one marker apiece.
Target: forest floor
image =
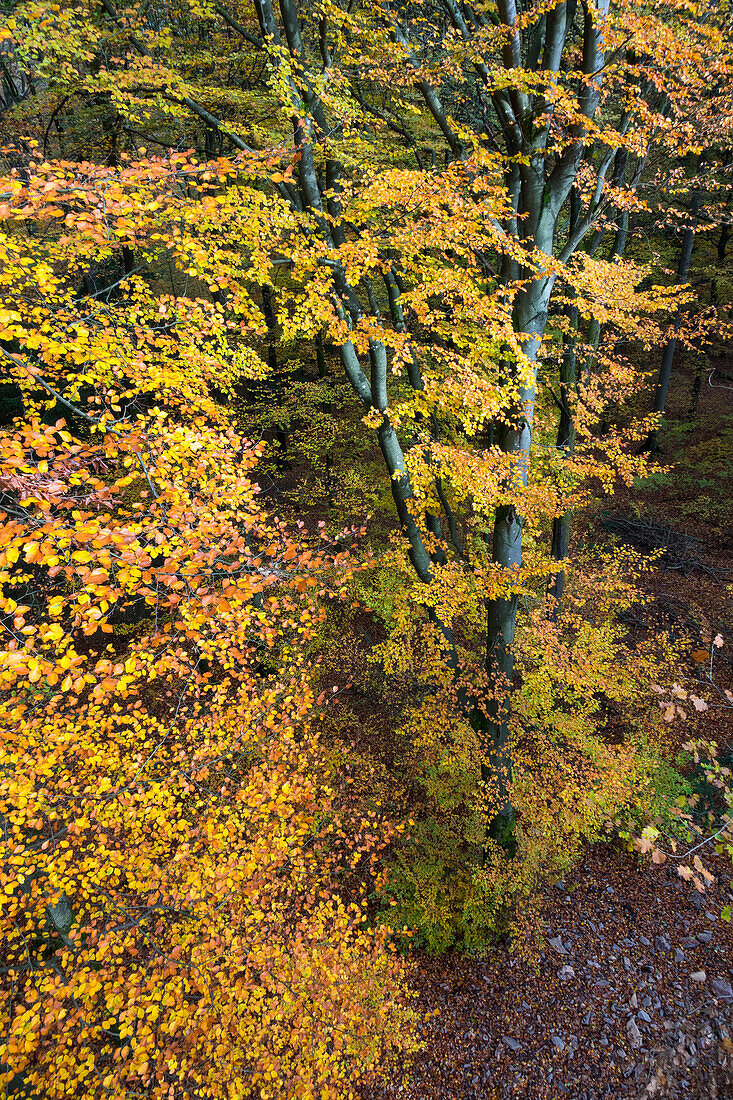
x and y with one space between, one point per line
627 990
632 999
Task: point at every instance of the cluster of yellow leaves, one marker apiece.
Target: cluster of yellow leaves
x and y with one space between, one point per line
207 949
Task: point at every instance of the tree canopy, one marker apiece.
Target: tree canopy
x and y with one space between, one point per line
323 322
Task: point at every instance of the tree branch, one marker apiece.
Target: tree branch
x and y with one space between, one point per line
203 114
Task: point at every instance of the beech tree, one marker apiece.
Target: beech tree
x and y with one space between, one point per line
544 117
180 904
425 192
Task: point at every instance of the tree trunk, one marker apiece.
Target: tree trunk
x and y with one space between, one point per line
723 241
328 410
566 443
530 315
665 369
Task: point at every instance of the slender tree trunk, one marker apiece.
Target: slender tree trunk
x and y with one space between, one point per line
665 369
328 410
566 443
594 340
696 387
622 235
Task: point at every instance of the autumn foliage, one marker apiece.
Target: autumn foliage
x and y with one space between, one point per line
320 325
179 850
168 811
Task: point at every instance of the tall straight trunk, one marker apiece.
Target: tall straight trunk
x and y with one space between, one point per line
565 443
683 270
530 317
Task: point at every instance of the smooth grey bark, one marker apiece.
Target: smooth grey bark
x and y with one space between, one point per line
541 188
371 387
565 442
530 315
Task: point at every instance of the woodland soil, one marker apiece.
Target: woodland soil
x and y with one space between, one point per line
509 1025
